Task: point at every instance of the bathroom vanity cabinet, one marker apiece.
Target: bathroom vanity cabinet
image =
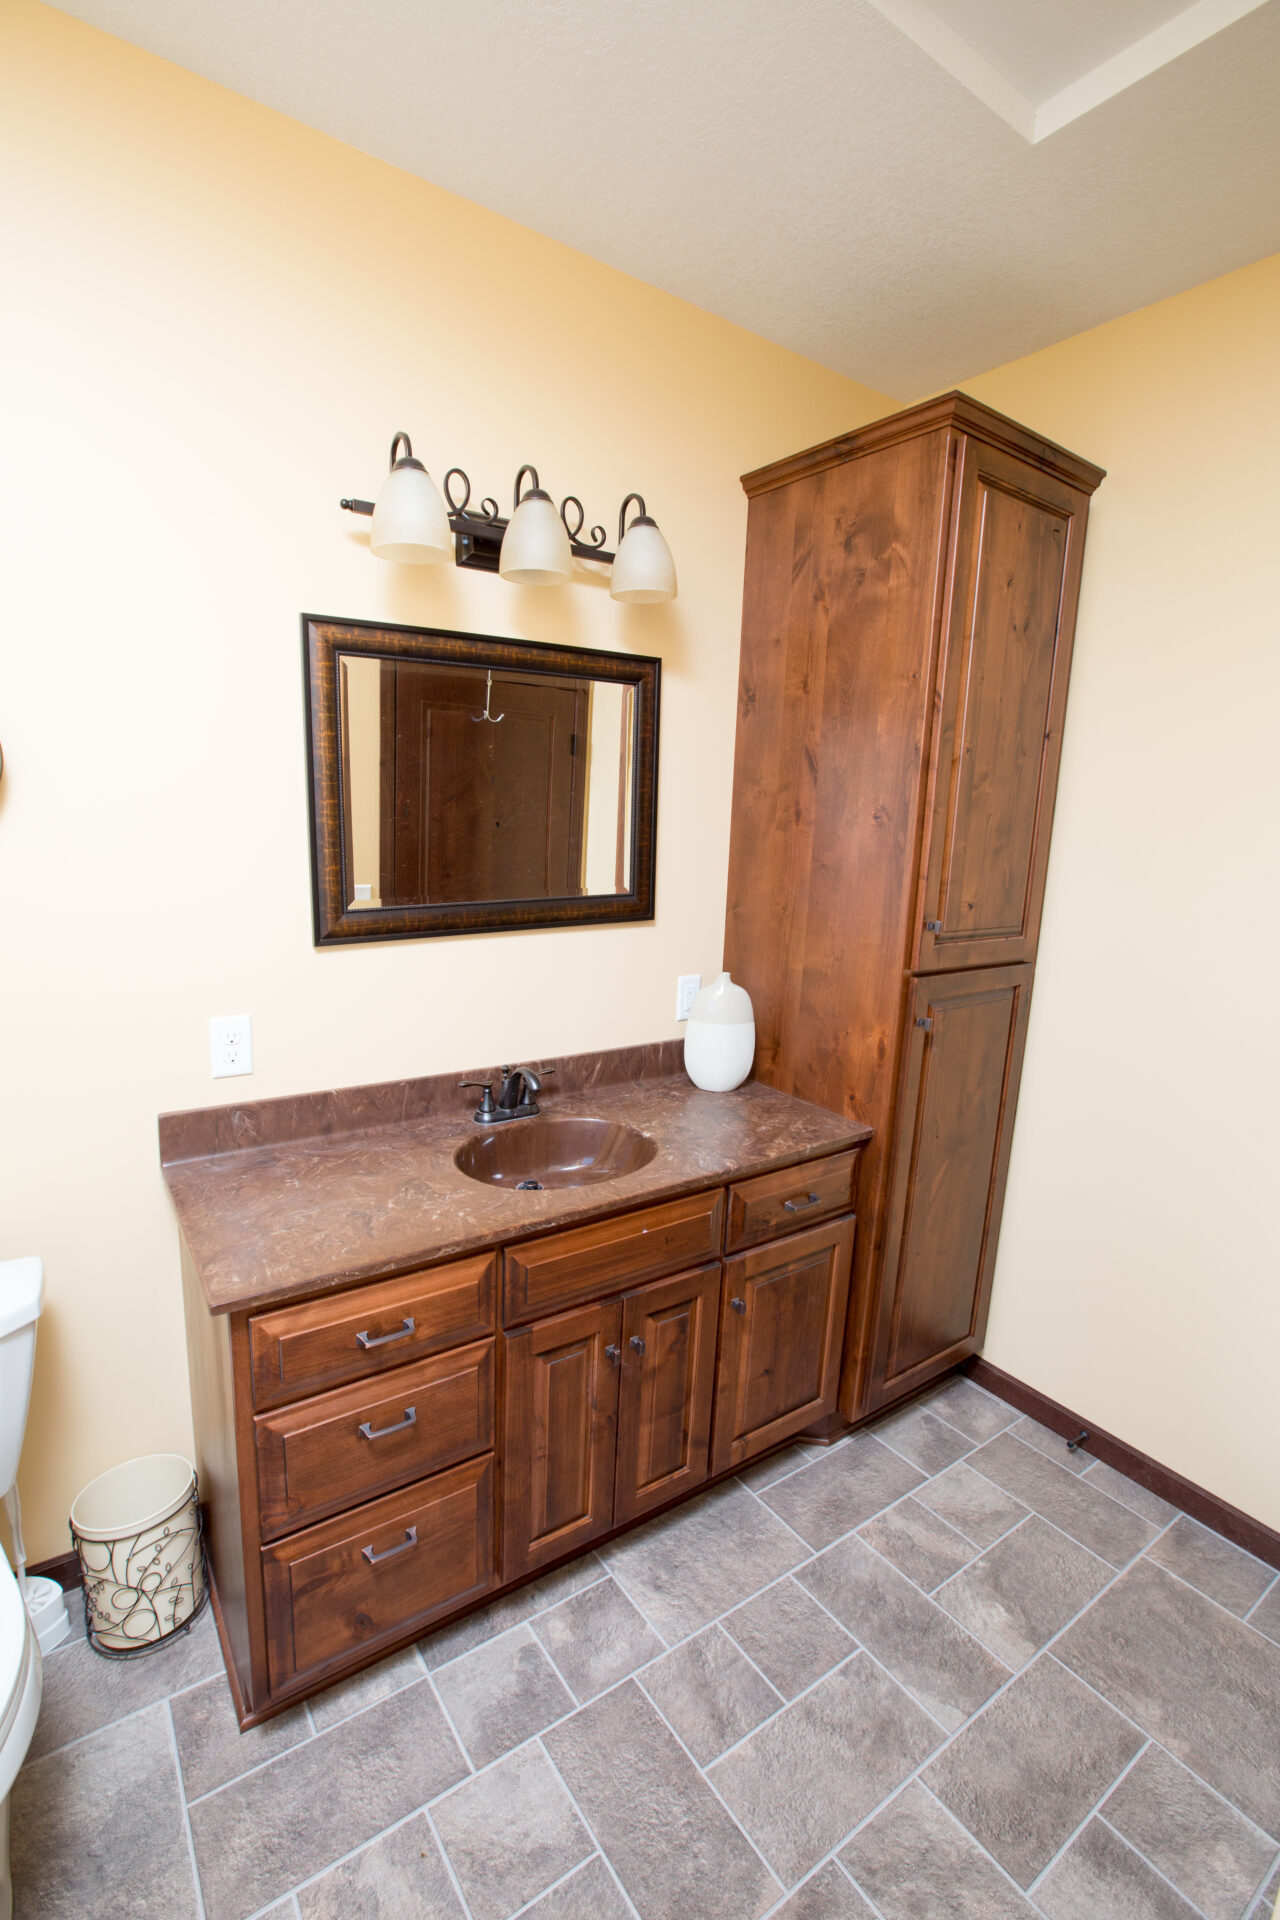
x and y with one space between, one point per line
377 1456
908 619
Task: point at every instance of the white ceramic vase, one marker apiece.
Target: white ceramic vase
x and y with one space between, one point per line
720 1037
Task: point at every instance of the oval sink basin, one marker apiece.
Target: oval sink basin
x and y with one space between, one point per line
553 1153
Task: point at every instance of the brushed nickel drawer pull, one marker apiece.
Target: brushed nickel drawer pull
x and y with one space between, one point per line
637 1343
798 1206
368 1340
368 1432
739 1306
410 1540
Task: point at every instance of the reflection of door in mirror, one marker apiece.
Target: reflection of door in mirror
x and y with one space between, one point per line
463 786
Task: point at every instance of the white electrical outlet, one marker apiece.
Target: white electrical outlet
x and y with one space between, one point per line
230 1045
688 985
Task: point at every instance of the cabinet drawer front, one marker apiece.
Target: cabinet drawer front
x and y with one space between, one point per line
340 1448
389 1568
781 1336
795 1197
610 1255
348 1336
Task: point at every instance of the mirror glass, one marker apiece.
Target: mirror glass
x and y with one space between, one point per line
464 785
461 783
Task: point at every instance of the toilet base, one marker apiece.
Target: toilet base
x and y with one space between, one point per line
47 1612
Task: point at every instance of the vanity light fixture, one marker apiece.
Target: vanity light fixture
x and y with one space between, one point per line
537 546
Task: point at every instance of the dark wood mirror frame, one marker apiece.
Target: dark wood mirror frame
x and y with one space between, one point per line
324 640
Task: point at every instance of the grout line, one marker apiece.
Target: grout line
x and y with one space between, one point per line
472 1769
443 1851
1125 1841
1043 1873
1241 1620
973 1838
549 1657
311 1719
579 1866
588 1829
182 1802
1268 1589
743 1654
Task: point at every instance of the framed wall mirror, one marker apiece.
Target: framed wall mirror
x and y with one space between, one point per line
461 784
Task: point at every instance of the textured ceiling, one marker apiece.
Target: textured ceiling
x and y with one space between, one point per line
806 170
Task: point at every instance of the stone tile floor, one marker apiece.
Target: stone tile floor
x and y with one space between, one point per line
945 1669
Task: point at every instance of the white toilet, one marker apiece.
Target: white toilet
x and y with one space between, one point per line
21 1297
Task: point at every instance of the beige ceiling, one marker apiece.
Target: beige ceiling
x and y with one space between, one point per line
812 169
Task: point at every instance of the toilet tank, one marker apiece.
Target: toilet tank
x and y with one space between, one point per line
21 1298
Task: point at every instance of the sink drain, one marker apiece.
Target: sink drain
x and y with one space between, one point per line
529 1186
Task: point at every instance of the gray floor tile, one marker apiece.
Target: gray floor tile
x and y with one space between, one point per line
919 1543
790 1637
1028 1770
1225 1572
1024 1590
709 1693
836 1494
923 1438
923 1647
1113 1532
1208 1850
1100 1878
777 1466
1202 1683
686 1569
917 1863
1129 1493
97 1829
829 1895
510 1833
806 1778
402 1876
212 1748
972 1409
671 1843
501 1694
1268 1902
590 1893
363 1689
971 1504
488 1622
84 1691
597 1638
1266 1615
279 1826
1052 1445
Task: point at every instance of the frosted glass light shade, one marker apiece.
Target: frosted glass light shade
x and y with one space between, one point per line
535 547
720 1037
643 571
410 520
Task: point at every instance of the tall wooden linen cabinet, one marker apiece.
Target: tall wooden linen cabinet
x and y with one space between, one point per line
909 611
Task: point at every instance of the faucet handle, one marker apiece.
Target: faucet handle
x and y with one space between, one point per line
486 1109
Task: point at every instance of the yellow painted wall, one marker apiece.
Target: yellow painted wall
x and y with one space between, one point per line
214 320
1139 1271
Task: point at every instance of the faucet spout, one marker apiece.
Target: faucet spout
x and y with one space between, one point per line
519 1085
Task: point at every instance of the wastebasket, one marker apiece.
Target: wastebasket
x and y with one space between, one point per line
137 1533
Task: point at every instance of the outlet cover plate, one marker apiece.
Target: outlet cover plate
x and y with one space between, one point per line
230 1045
688 986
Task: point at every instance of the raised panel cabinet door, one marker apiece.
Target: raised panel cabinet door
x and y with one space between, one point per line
664 1398
1017 549
782 1321
561 1407
963 1059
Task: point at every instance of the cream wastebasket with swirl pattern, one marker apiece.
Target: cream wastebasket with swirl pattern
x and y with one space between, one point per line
137 1532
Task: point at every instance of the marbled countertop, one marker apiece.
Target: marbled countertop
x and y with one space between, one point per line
268 1223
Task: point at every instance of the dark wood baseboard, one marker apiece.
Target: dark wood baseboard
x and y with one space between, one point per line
1242 1528
65 1569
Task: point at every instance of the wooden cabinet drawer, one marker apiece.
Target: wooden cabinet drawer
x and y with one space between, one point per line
340 1448
607 1256
390 1568
795 1197
348 1336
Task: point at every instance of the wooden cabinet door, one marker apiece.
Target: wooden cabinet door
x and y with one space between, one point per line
1015 577
664 1405
781 1332
561 1408
965 1036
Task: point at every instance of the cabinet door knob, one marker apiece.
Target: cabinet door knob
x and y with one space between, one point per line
410 1540
933 926
739 1306
637 1343
368 1432
367 1340
923 1020
614 1354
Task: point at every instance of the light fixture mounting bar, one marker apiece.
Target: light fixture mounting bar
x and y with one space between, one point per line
478 537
